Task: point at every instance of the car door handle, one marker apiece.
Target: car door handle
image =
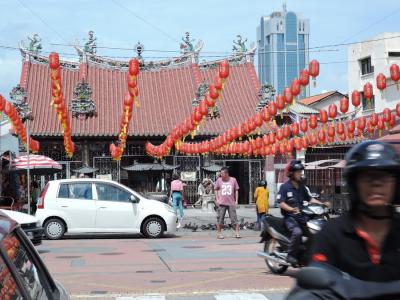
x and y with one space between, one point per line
102 207
64 206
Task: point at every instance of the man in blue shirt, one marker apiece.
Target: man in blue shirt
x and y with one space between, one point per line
291 196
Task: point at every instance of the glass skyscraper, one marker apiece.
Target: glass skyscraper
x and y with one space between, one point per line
283 41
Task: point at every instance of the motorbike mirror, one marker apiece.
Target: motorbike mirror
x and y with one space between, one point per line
313 278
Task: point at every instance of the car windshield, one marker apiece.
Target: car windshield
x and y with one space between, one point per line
31 276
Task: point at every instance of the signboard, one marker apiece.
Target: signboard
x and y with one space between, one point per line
188 176
104 176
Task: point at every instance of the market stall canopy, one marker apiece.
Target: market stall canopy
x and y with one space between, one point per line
38 165
85 170
321 164
156 166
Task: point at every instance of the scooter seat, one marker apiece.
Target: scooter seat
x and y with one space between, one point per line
277 223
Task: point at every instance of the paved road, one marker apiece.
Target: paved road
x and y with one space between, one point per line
185 266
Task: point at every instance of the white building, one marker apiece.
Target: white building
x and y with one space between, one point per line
366 61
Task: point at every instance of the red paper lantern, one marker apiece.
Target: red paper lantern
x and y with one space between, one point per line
203 108
344 105
381 123
265 114
286 131
313 121
392 121
313 68
258 120
273 149
355 98
252 125
271 138
2 103
54 60
387 115
218 83
259 142
280 102
332 111
398 109
287 94
295 128
351 126
331 130
128 101
340 128
304 125
368 91
313 139
265 140
374 119
361 122
279 134
304 77
213 92
323 116
305 141
395 72
223 69
210 102
370 127
289 147
322 136
295 87
381 82
134 67
272 108
298 144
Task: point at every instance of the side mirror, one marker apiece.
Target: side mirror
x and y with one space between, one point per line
133 199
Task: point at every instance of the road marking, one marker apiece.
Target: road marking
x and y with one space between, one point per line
241 296
149 297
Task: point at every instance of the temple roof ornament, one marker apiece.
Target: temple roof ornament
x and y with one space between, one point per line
266 94
139 48
18 99
239 45
90 45
82 104
190 55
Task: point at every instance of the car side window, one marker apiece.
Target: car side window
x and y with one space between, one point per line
76 191
8 287
107 192
33 279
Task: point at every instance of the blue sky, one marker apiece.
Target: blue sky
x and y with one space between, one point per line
216 22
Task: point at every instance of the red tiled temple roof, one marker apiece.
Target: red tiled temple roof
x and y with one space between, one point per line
165 96
317 98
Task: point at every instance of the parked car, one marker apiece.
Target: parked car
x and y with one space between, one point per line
100 206
23 275
29 224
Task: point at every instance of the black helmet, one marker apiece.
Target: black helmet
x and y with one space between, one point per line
293 166
366 156
262 183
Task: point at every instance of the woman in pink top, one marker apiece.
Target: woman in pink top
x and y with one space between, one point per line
177 196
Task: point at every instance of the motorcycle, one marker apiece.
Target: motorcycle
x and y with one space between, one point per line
322 281
275 237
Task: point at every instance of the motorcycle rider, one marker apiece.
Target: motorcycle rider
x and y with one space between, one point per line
365 242
291 196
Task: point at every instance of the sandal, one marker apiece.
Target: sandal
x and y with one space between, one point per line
220 236
238 236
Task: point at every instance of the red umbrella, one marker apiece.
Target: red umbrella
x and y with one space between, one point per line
38 165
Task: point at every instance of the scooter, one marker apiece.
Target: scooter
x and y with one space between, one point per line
276 237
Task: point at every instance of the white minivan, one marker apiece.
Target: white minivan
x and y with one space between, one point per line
100 206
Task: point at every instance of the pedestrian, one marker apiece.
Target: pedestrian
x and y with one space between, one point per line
201 190
227 194
35 192
261 196
176 194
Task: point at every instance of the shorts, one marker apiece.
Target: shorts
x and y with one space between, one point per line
231 211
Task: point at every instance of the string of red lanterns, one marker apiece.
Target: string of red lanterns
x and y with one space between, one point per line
131 98
58 102
18 125
191 124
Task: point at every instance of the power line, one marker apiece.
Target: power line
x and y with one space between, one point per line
42 20
144 20
372 25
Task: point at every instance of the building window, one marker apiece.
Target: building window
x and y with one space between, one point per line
366 67
394 54
367 104
268 39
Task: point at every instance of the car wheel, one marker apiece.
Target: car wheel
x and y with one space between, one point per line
153 228
54 229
